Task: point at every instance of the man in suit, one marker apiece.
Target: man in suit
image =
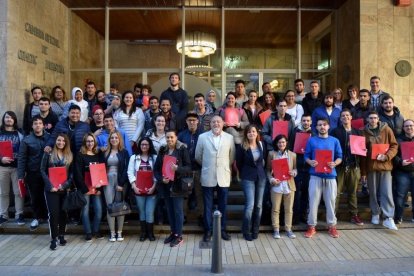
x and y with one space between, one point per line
215 153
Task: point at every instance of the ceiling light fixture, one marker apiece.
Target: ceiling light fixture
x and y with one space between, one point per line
197 44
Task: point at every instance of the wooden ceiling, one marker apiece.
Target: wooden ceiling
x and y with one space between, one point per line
243 28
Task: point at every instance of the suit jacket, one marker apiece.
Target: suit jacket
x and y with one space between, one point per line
215 162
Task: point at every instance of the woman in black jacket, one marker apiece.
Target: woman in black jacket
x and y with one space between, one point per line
116 160
171 189
89 154
250 162
60 156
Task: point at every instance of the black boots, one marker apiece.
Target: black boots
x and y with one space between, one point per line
150 231
143 235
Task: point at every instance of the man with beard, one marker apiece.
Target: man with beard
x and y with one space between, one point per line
299 91
150 113
49 117
327 110
31 109
390 114
313 99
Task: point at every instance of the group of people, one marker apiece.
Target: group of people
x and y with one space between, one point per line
136 132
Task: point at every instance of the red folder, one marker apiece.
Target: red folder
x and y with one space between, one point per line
6 149
379 149
264 116
167 172
231 116
407 151
358 124
280 169
301 139
323 157
144 180
145 101
22 188
358 145
98 175
57 176
280 127
88 183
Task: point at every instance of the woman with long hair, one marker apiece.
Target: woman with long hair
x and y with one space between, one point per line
89 154
353 100
282 189
174 201
338 97
269 102
252 107
60 156
130 118
144 160
58 100
116 160
157 134
250 162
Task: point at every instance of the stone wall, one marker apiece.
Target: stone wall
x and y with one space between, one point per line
37 50
387 36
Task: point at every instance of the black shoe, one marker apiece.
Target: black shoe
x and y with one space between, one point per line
169 239
88 237
20 220
143 235
255 236
62 241
98 236
247 237
207 236
3 220
177 241
53 244
225 236
150 231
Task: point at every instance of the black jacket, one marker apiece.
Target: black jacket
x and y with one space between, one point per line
31 153
81 166
348 159
309 104
44 170
395 122
397 161
249 169
75 134
27 118
123 158
184 168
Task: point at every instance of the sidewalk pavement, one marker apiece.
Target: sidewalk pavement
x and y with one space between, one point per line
368 251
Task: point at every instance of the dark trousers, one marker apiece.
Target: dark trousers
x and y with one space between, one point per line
36 187
57 217
208 196
301 203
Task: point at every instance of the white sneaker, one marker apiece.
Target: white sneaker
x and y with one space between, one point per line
375 219
389 223
34 225
112 238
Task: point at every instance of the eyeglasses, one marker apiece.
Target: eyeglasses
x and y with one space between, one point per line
409 126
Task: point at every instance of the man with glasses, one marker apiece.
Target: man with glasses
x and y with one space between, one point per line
404 173
97 125
377 172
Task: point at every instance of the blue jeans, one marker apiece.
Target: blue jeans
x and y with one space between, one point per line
175 211
405 183
208 196
253 191
96 202
146 207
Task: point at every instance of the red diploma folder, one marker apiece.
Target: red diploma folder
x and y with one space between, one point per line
407 151
264 116
301 139
88 183
280 127
280 169
145 101
358 124
358 145
231 116
379 149
6 149
323 157
167 172
57 176
22 188
144 180
98 175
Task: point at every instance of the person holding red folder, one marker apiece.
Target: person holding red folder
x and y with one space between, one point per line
348 171
279 115
322 184
146 198
377 172
9 132
166 185
404 171
89 154
116 160
60 156
282 189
